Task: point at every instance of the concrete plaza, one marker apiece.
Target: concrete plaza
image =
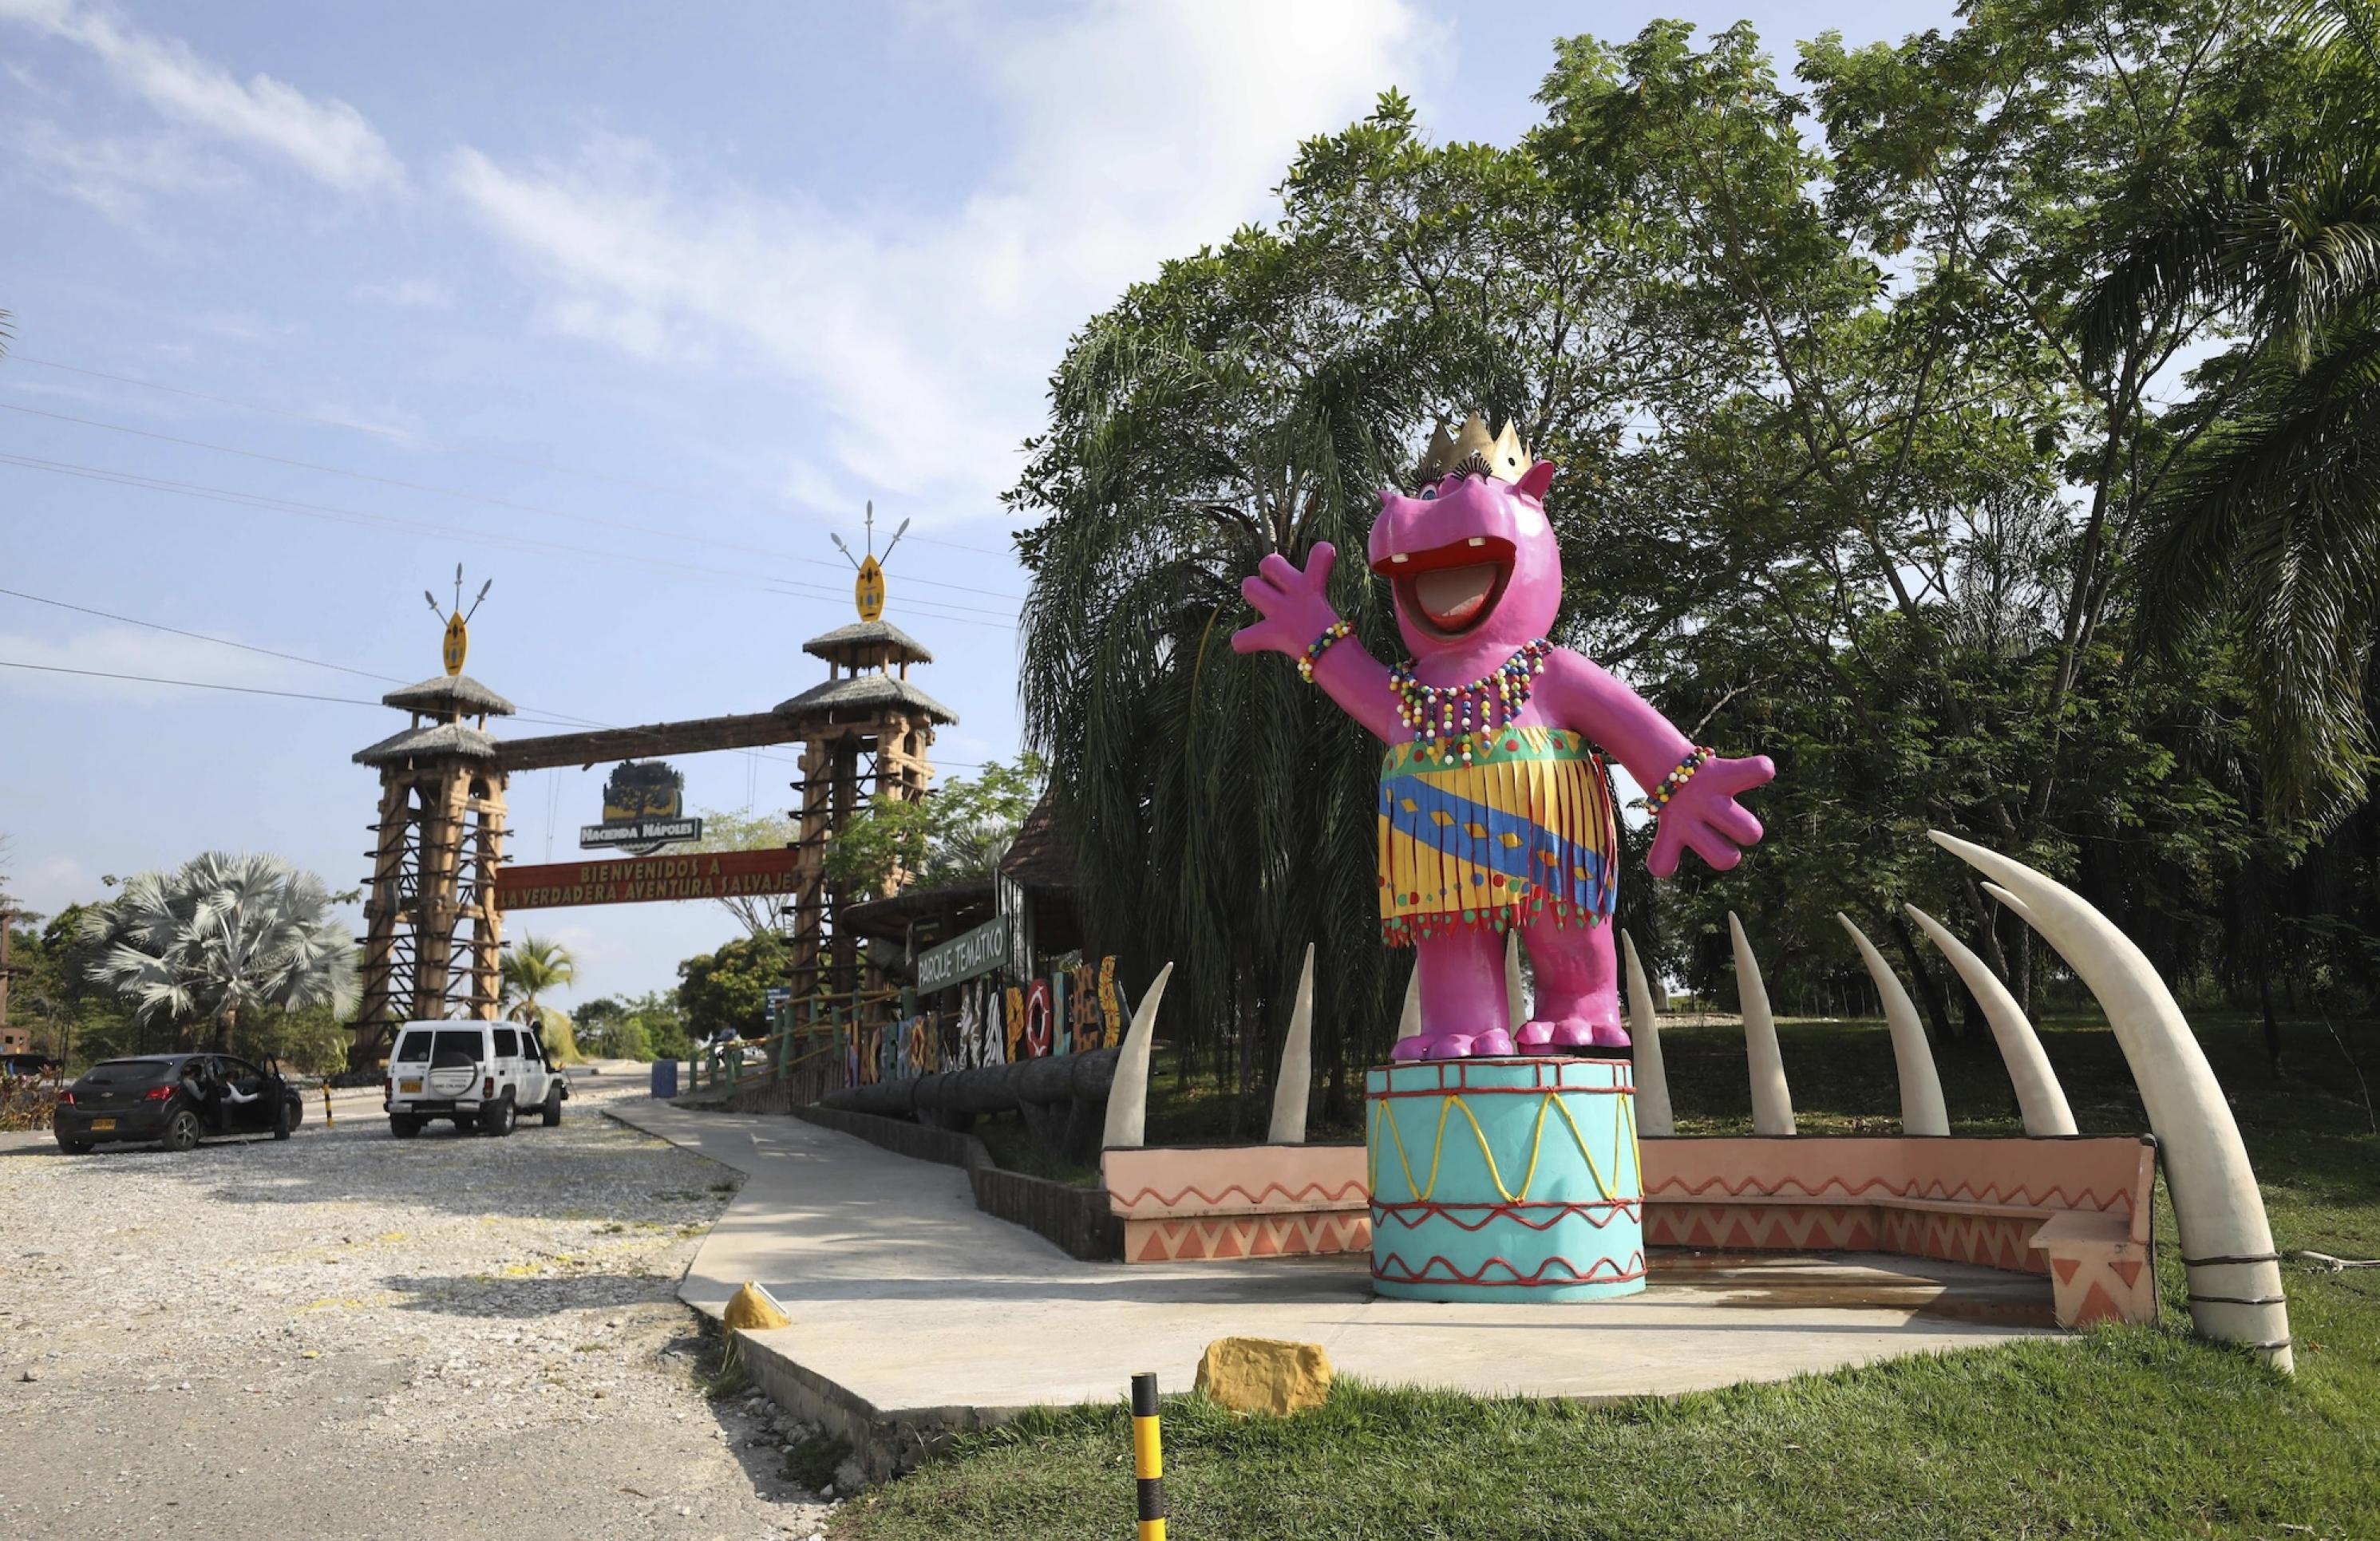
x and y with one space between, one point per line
914 1310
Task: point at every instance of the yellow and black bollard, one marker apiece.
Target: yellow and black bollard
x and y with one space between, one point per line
328 1122
1147 1459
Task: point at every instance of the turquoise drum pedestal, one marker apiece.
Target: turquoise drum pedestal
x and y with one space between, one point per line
1504 1180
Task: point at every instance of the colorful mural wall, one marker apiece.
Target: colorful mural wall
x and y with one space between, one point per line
1072 1011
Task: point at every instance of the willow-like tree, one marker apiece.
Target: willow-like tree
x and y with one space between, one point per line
1252 400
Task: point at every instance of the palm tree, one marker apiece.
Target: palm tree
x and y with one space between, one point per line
2272 519
531 967
222 937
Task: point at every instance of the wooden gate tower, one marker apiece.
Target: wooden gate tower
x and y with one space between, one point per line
865 732
433 932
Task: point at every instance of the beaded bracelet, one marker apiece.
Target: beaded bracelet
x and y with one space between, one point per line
1676 779
1320 644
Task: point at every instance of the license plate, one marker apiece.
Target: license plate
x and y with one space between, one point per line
414 1086
99 1124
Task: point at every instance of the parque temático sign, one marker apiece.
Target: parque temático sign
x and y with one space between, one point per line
963 957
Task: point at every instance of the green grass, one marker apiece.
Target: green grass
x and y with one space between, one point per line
1012 1146
2126 1431
720 1371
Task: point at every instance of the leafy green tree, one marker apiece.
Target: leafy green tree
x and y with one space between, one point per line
957 833
71 1016
1935 483
603 1026
533 967
221 938
658 1017
728 987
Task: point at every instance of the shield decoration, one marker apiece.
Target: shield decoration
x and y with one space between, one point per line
867 589
458 642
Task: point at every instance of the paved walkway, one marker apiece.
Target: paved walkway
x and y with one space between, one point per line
906 1297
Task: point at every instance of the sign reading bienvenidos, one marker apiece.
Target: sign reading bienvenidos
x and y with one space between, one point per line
712 875
643 810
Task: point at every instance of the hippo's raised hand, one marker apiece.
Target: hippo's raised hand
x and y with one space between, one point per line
1704 814
1294 608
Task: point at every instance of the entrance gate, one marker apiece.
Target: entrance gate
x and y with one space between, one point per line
434 904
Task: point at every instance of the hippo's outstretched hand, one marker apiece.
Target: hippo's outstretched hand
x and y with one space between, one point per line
1299 620
1705 815
1296 606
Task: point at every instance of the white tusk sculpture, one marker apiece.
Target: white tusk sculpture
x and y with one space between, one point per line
1652 1081
1290 1089
1127 1122
1921 1112
2038 1096
1409 1016
2227 1242
2009 902
1772 1100
1516 1001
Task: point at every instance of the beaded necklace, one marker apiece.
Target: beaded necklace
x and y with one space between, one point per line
1444 718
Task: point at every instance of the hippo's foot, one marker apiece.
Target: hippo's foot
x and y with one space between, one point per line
1569 1035
1555 1038
1453 1046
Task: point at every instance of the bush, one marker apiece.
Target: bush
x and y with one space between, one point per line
27 1102
313 1040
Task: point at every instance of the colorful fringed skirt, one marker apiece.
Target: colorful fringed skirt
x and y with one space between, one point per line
1524 832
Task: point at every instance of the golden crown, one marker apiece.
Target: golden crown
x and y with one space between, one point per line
1473 452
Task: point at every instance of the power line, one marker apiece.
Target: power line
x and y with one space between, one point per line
188 685
554 721
468 496
199 635
943 610
386 435
550 717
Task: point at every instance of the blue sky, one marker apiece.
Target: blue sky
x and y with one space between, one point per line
625 307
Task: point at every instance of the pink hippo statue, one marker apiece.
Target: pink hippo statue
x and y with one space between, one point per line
1494 808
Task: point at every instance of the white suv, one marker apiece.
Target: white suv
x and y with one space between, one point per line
487 1072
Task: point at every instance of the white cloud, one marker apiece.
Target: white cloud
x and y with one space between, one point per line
119 177
395 433
111 650
423 293
1129 134
328 139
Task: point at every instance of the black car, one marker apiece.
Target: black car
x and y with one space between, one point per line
174 1099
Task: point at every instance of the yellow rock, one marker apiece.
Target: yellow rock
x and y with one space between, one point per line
1265 1374
753 1309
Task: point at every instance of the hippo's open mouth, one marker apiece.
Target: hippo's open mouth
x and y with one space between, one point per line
1451 589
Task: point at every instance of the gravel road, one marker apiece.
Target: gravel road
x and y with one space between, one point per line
350 1336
